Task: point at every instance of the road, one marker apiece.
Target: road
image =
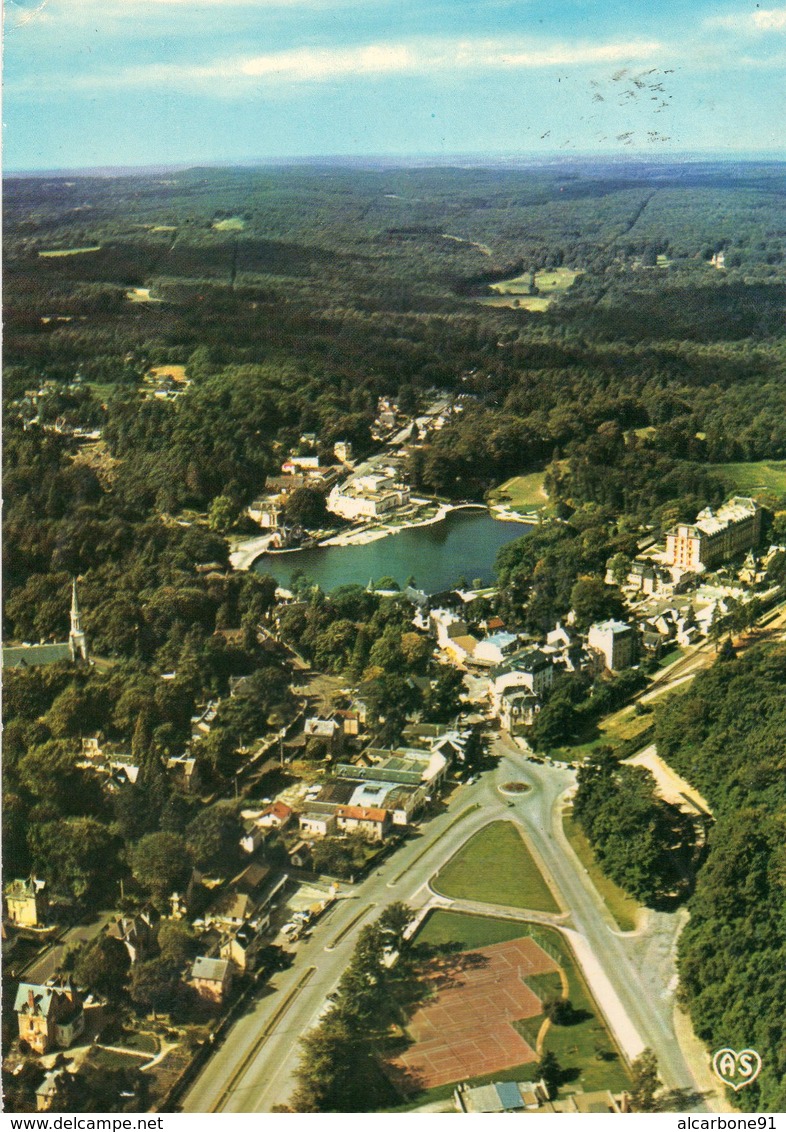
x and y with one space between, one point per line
633 976
47 964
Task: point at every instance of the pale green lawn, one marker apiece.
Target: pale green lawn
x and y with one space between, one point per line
756 478
55 253
521 492
496 867
231 224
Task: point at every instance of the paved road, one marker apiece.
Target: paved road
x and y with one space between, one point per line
254 1069
48 963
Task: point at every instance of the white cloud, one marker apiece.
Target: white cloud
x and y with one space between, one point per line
759 20
419 57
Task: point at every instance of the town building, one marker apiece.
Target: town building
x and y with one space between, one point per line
616 641
74 649
318 820
136 933
268 513
502 1096
342 450
517 707
26 902
493 650
367 497
247 898
211 979
715 536
50 1015
529 668
241 947
363 819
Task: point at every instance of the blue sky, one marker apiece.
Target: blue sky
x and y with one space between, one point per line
135 82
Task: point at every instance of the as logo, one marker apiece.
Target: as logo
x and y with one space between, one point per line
736 1069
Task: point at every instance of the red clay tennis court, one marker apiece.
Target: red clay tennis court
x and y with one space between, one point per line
466 1031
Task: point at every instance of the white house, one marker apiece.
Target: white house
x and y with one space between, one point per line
517 706
616 641
494 649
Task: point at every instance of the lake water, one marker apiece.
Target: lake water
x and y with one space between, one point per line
464 544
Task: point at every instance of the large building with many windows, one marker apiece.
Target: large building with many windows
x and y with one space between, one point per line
715 536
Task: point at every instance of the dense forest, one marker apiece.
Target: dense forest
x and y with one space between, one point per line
725 735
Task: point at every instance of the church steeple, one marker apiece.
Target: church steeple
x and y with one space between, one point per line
77 641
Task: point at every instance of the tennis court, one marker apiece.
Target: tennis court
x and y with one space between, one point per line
465 1030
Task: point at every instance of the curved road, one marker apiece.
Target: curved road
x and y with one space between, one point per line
632 976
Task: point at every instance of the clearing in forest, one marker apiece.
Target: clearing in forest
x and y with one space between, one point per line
56 253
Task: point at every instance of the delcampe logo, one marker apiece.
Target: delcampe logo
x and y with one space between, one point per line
736 1069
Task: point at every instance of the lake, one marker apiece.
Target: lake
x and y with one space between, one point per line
465 543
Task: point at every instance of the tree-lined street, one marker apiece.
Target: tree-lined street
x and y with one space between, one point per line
253 1071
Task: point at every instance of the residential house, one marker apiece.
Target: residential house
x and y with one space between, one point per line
276 816
452 634
52 1086
319 820
50 1015
26 902
362 819
254 835
248 897
517 707
616 641
211 979
328 730
136 933
294 464
183 772
241 947
350 721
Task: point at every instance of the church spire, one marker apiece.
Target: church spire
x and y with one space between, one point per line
77 641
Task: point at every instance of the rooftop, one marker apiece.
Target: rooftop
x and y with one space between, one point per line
214 970
361 813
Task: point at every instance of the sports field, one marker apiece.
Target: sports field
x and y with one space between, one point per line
466 1029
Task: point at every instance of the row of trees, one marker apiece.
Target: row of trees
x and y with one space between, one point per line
725 736
643 843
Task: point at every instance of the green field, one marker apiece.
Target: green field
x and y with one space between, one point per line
522 493
585 1050
231 224
515 292
526 302
57 252
495 866
760 478
623 908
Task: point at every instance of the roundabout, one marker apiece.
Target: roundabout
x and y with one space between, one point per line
514 789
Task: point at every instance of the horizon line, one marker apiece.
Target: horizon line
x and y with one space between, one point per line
402 160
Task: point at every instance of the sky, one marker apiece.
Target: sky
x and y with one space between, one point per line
143 82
